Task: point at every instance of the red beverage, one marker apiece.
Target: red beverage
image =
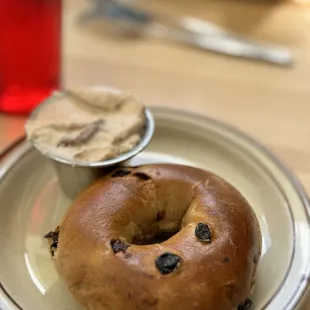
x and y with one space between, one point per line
30 52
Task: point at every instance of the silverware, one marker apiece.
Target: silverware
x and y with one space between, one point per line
125 20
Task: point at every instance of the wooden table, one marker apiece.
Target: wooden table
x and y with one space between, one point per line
270 103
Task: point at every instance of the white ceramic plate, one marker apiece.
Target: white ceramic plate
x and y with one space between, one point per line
31 204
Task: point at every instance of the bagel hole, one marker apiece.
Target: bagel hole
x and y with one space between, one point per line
158 238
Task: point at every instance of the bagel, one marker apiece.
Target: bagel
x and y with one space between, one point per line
158 237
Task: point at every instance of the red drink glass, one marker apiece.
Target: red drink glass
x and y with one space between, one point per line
30 52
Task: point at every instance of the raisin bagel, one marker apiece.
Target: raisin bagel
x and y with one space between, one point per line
105 248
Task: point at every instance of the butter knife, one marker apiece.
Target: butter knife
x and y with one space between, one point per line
128 20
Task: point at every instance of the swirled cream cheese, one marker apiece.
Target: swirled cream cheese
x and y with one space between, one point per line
88 125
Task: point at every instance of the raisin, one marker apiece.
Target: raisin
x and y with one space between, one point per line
203 233
142 176
226 259
54 236
246 305
54 244
167 262
120 173
128 255
49 234
160 215
118 246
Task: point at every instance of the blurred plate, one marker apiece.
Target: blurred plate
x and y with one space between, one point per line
31 203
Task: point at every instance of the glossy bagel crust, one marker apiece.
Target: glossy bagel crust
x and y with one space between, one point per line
101 249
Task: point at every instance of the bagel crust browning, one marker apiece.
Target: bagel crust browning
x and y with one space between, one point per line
106 257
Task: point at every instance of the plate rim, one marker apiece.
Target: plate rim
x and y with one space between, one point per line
300 292
304 284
